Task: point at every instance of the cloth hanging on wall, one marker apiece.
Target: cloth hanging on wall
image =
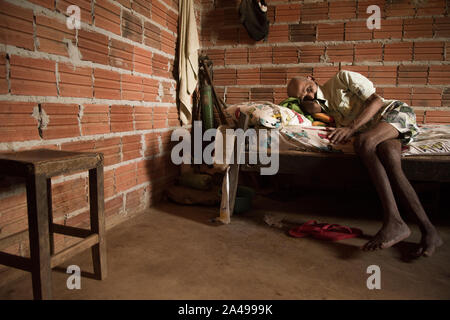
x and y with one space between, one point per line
188 58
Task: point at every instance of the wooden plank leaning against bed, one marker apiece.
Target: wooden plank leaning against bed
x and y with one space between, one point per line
337 166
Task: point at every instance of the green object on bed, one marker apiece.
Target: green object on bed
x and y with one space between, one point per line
294 104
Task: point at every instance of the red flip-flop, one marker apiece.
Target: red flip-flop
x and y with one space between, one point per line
335 232
306 229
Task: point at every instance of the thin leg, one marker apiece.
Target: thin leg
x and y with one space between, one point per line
50 216
394 229
41 271
390 154
97 204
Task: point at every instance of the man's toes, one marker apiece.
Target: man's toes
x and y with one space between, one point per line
428 252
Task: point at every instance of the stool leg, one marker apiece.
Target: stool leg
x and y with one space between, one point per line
41 271
50 216
97 204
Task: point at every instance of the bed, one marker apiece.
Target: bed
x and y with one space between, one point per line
320 166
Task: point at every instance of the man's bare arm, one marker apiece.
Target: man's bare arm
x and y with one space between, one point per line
371 107
311 107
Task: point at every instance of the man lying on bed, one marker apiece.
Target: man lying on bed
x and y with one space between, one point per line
380 127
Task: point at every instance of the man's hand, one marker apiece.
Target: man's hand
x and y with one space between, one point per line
339 135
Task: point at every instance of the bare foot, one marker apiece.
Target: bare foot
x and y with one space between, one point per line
389 235
430 241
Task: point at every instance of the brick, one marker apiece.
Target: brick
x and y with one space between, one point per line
390 29
420 116
32 76
230 18
93 46
322 74
152 35
237 95
278 33
236 56
81 220
340 53
143 117
151 141
279 94
227 36
412 74
426 97
428 51
160 65
121 55
106 84
142 6
287 13
401 51
69 196
160 115
114 206
285 55
121 118
168 42
147 171
108 183
441 27
248 76
132 87
260 55
435 116
315 11
107 16
333 32
172 21
3 82
447 51
125 177
135 200
151 89
217 56
52 36
16 26
308 54
244 38
125 3
49 4
400 8
261 94
13 208
302 32
439 74
131 147
142 60
298 71
84 5
431 7
383 74
342 10
159 13
172 117
131 27
110 149
273 76
368 52
17 121
63 121
168 92
224 77
356 30
418 28
95 119
75 81
166 143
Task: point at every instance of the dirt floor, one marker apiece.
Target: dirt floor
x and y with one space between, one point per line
175 252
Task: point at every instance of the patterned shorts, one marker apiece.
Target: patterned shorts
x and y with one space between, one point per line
403 118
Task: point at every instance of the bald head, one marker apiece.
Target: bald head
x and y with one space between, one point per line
302 88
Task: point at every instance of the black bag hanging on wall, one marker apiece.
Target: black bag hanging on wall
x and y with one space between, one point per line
253 14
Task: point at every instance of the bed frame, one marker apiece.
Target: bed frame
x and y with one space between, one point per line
341 167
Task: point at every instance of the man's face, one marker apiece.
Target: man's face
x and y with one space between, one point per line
307 89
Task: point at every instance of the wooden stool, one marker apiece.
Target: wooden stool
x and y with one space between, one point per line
37 167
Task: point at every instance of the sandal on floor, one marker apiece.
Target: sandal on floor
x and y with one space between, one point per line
306 229
324 231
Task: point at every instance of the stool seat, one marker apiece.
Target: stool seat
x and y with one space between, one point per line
38 167
47 162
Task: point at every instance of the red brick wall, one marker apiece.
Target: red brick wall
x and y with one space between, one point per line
107 87
407 59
